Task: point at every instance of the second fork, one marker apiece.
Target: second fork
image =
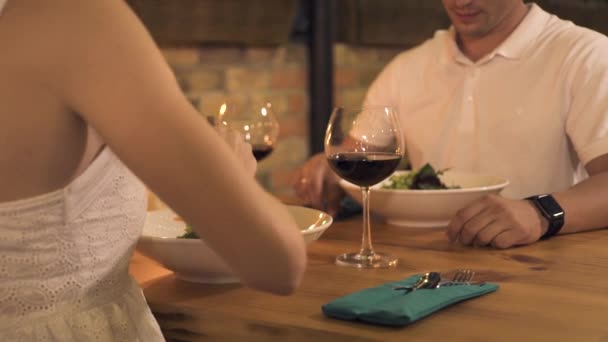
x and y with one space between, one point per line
461 277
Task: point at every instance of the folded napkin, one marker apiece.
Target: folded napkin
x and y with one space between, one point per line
386 306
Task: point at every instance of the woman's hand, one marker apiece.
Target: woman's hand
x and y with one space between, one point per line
241 148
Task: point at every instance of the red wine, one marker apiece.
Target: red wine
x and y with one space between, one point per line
261 151
364 169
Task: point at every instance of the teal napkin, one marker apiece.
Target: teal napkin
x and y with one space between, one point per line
386 306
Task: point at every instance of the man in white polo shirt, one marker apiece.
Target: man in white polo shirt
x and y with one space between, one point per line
509 90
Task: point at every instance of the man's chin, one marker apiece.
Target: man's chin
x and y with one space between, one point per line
469 30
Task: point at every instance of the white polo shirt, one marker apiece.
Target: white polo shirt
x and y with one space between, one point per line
534 110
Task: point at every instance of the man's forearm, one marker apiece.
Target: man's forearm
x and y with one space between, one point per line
585 204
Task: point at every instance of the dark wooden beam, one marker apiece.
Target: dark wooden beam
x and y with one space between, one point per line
321 70
242 22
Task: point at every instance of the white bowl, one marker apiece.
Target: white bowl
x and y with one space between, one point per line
427 208
192 259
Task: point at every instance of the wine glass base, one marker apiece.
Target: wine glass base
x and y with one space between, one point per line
376 260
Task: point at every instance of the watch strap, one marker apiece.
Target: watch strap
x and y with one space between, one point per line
555 222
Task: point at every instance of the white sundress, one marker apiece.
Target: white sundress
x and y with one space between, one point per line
64 259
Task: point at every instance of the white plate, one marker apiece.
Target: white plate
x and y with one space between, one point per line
192 259
428 208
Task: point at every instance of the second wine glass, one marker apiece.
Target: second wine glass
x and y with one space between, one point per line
255 121
364 146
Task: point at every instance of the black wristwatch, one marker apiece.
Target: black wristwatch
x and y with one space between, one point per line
552 211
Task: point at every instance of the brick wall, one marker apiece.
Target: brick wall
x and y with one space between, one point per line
211 75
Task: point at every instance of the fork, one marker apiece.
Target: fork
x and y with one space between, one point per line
461 277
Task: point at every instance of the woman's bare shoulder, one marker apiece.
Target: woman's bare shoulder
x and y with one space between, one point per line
58 14
56 33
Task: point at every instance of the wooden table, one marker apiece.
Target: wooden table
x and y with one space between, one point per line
556 290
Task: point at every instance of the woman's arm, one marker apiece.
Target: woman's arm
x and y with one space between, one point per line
108 69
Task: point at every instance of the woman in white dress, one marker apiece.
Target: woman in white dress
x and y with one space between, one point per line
87 108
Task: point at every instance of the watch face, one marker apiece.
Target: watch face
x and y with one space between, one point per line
551 206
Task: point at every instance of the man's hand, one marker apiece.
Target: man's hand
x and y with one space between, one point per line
497 221
317 185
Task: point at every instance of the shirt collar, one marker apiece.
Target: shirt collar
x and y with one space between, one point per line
514 47
525 35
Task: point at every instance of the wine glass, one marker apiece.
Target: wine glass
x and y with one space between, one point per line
255 121
364 146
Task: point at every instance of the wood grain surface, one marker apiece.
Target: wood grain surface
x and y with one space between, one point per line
555 290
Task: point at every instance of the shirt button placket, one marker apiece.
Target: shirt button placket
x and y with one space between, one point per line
467 124
469 90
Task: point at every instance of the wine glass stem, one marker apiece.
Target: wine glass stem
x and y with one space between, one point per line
366 239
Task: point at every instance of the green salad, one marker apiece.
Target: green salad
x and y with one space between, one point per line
426 178
189 234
